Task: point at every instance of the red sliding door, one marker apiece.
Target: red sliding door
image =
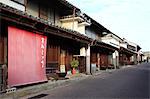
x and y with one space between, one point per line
26 57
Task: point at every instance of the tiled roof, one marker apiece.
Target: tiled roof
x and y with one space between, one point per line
42 21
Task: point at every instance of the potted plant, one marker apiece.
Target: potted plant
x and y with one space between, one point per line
74 64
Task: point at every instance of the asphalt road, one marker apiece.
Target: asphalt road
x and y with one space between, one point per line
127 83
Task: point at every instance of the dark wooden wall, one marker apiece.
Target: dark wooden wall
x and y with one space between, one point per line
103 60
60 51
93 58
124 59
3 42
53 53
1 50
69 57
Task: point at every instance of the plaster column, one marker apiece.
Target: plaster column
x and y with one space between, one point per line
88 61
116 59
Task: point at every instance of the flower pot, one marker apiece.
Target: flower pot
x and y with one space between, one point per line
73 71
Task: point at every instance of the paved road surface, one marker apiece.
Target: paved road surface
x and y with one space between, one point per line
128 83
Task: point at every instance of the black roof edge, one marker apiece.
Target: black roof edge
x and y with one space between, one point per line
108 46
98 24
129 51
68 4
117 36
138 47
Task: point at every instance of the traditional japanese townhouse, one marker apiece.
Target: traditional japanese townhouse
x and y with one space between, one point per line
32 42
128 52
146 57
140 57
115 41
78 22
101 52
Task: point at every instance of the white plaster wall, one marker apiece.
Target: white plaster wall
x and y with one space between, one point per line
114 55
123 45
81 29
132 58
13 4
112 42
116 59
88 62
83 51
69 25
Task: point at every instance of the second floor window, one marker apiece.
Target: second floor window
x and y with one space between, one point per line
43 12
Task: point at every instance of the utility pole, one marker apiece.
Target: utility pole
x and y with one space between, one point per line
74 10
25 3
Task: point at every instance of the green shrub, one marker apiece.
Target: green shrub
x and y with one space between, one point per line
74 63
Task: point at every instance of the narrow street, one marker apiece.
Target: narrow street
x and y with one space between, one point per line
128 83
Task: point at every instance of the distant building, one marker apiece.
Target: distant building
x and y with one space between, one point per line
147 56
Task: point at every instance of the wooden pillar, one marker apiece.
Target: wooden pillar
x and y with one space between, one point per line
135 58
1 50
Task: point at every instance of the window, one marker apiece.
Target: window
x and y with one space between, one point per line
22 2
43 12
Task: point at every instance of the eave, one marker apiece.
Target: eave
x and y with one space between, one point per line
124 50
104 45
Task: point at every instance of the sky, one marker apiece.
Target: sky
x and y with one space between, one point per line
128 19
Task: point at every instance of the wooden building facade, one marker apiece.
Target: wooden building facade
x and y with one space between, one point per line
125 56
102 55
38 47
